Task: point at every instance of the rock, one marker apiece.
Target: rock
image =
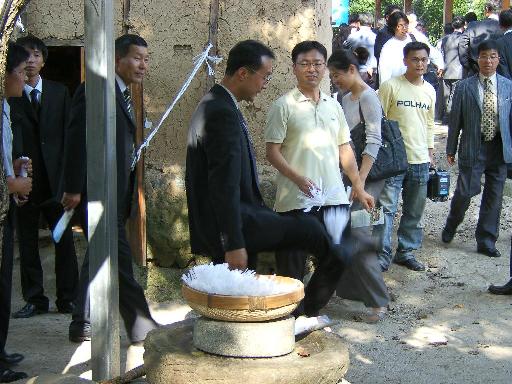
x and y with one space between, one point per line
263 339
50 378
170 357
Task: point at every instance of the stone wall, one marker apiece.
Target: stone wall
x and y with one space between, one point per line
176 31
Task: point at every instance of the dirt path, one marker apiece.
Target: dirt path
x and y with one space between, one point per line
443 326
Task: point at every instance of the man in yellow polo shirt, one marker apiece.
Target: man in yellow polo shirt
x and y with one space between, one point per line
409 100
307 139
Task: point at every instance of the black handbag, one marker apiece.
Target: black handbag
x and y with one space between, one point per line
391 159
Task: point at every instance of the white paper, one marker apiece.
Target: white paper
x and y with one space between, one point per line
62 225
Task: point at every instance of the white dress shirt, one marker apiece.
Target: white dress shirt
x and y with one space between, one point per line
7 140
39 86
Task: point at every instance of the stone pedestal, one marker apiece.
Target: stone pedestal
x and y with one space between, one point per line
263 339
170 357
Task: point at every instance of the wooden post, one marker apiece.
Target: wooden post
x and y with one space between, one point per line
102 188
137 222
448 11
378 10
212 38
505 4
407 6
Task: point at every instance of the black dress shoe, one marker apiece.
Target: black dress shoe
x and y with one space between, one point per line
489 252
447 235
79 331
66 307
8 376
501 289
11 358
29 310
412 264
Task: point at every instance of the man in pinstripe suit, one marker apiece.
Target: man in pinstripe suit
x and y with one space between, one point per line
480 115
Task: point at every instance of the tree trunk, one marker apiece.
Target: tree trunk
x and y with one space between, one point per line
9 11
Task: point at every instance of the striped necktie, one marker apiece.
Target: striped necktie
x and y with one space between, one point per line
128 100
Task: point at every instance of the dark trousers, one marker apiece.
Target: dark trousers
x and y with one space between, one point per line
490 163
133 306
6 273
267 231
448 89
66 266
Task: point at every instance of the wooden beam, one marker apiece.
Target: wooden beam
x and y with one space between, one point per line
378 10
102 188
212 38
448 11
505 4
137 221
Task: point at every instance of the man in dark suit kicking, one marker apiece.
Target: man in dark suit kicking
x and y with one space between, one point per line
131 63
39 119
476 33
228 219
480 115
505 44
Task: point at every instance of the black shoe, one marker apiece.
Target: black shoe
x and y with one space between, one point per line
8 376
412 264
10 358
79 331
29 310
66 307
447 235
501 289
489 252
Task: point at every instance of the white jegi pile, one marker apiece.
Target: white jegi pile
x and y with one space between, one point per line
220 280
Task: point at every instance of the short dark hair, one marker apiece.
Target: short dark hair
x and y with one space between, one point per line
353 18
491 6
247 53
391 8
458 22
394 19
448 28
506 18
306 46
16 55
341 59
32 42
415 46
123 43
366 19
487 45
470 16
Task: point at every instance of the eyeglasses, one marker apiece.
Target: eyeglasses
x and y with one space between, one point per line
417 60
316 66
266 78
488 58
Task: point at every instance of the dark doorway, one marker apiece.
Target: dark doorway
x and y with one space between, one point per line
64 64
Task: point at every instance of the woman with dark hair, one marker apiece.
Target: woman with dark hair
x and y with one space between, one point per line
363 280
391 61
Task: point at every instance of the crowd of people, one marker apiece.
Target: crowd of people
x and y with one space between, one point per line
390 73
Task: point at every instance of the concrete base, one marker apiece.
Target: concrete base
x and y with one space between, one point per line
263 339
170 357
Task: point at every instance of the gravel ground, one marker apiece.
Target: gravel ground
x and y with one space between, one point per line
443 326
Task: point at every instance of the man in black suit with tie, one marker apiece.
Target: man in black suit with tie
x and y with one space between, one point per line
228 219
476 33
505 44
131 63
39 119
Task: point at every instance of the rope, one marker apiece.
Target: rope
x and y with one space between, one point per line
198 62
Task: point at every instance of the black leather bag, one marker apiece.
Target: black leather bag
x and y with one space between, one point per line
391 159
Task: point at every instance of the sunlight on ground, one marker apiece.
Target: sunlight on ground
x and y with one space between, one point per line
132 356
